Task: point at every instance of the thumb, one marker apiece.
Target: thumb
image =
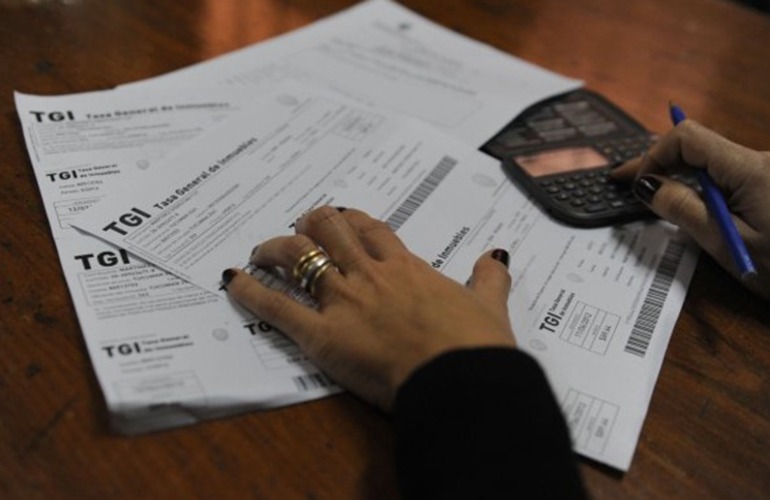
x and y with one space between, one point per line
681 205
490 279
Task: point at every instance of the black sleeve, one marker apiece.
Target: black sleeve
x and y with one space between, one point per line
482 423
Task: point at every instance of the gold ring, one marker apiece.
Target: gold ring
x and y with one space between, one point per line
299 270
310 267
311 285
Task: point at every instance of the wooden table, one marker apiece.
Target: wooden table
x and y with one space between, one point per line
707 433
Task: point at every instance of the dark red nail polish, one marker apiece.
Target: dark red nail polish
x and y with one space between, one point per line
645 188
501 255
227 276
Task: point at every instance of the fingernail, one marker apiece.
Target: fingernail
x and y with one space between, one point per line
227 276
501 255
341 209
645 188
254 251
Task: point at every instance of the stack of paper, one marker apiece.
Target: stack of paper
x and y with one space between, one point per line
374 108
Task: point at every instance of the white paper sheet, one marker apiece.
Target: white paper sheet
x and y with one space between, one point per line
380 53
596 307
165 352
258 176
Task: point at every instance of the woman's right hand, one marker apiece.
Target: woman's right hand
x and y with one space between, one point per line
743 176
382 311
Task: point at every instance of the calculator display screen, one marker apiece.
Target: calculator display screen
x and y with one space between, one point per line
557 161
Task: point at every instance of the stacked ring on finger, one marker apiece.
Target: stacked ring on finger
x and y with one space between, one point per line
310 267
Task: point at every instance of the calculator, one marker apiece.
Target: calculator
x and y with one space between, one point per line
561 151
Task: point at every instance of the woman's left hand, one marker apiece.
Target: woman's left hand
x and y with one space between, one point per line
383 311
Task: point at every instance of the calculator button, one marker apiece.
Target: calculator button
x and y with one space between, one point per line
577 202
594 199
617 203
552 189
579 193
545 183
569 186
585 183
562 196
595 207
595 190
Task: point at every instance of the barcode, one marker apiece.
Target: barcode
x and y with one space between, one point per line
421 193
641 334
313 381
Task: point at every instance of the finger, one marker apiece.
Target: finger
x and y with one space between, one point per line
490 279
331 230
681 205
287 252
282 251
276 308
666 155
692 145
377 237
627 171
689 144
731 165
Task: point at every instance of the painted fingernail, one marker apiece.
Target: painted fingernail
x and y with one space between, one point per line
501 255
227 276
645 188
341 209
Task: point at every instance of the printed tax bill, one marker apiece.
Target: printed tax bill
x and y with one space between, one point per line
380 53
165 352
596 307
129 311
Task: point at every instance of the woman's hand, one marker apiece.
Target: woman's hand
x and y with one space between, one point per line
385 312
743 176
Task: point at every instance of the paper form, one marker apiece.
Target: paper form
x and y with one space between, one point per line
165 352
254 178
596 307
82 144
380 53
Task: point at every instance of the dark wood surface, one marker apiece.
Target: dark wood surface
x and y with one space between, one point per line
707 434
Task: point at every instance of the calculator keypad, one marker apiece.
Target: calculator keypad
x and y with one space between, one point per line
592 191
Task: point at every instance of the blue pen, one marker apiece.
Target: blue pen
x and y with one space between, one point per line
718 207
